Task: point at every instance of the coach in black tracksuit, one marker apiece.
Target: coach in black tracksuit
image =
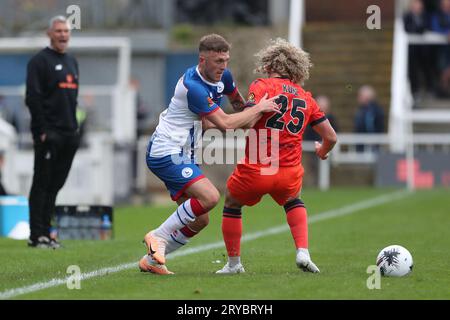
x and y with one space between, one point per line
51 96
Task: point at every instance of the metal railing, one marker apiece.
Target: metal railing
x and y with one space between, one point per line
346 152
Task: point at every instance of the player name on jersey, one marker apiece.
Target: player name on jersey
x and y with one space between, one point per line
290 89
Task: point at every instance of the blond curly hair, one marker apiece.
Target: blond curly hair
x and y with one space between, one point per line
285 59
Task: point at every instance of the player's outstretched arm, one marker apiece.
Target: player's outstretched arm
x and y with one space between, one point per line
253 122
237 101
225 121
329 139
206 124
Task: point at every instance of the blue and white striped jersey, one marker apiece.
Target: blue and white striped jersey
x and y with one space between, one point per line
194 98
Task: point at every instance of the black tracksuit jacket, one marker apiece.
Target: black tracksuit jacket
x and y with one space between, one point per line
52 90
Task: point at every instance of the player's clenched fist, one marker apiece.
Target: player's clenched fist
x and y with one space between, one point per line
320 152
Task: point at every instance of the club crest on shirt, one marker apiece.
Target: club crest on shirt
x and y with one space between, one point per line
251 97
220 87
187 172
58 67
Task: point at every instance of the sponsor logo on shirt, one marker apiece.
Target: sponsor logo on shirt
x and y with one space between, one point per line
210 102
68 84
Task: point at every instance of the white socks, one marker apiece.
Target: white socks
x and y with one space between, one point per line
181 217
176 240
305 251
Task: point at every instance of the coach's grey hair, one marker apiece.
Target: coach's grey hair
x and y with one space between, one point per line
58 19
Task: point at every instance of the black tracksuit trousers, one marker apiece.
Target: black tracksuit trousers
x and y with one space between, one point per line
52 161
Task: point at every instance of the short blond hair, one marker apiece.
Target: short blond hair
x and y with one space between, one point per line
285 59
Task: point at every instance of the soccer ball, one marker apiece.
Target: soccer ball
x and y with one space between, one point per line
395 261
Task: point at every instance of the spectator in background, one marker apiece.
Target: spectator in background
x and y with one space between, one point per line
421 64
416 19
440 23
324 104
86 116
370 115
3 108
431 6
143 116
143 119
445 79
2 189
12 112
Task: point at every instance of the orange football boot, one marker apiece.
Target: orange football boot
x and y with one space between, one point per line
156 247
148 264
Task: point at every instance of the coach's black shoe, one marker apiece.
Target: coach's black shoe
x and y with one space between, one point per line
41 242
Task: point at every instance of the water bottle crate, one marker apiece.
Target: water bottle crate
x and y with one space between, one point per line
89 222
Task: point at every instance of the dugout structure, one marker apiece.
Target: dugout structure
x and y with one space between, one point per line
108 101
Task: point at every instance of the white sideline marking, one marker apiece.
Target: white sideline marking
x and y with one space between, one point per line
365 204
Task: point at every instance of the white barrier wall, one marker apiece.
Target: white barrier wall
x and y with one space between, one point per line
91 178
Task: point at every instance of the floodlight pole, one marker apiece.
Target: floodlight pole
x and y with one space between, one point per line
296 20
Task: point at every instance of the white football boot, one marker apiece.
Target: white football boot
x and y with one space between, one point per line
238 268
305 263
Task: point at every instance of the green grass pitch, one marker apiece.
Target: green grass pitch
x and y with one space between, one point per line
342 247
